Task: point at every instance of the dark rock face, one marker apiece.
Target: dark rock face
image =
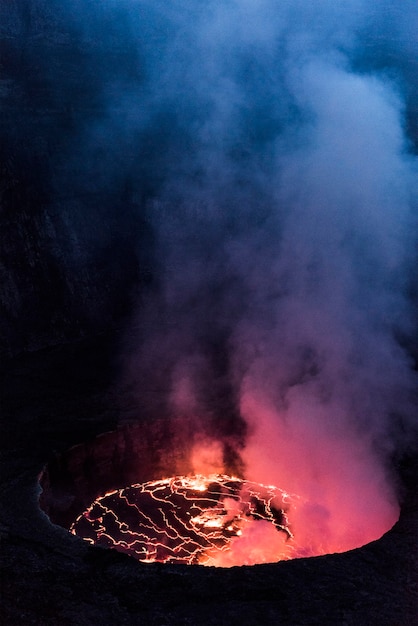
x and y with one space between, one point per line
71 248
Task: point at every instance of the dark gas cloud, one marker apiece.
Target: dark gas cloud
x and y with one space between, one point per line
274 172
269 148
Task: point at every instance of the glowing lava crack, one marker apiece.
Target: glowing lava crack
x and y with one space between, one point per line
210 520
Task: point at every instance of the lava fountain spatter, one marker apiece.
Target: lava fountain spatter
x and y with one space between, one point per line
210 520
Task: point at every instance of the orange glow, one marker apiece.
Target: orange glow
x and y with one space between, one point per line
209 520
206 457
346 497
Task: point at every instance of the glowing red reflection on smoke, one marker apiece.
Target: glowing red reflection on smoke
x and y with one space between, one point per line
347 498
344 500
211 520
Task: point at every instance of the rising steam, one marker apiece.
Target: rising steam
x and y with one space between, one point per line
265 144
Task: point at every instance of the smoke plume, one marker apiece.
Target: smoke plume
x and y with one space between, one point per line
269 148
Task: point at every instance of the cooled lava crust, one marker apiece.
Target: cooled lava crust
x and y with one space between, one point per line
183 519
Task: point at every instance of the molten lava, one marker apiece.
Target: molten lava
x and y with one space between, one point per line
210 520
